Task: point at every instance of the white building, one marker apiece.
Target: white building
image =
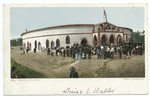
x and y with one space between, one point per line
84 34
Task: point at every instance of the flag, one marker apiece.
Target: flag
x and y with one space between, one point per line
105 15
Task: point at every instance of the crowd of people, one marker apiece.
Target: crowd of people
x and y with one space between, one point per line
80 52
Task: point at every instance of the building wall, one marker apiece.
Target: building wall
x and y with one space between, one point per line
126 31
76 34
127 35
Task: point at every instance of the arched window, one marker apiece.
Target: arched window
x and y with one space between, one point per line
39 46
47 43
57 43
35 44
67 40
52 44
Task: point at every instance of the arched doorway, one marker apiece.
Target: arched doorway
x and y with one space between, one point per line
39 46
119 40
35 44
95 41
47 43
27 44
52 44
103 40
84 42
30 46
111 40
57 43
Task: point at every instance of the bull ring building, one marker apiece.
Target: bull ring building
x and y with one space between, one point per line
83 34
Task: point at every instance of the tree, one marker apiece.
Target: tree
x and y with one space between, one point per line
138 37
13 43
19 42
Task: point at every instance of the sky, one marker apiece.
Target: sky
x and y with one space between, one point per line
22 18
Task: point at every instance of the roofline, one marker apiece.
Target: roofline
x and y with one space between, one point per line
113 25
56 27
126 28
72 25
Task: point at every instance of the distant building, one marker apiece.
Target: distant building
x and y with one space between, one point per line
83 34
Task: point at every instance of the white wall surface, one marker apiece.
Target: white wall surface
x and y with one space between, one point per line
126 31
60 30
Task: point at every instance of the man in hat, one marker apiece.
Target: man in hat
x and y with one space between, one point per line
73 73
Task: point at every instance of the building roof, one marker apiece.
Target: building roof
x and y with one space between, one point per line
57 27
73 25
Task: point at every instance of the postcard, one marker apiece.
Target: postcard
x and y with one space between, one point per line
75 49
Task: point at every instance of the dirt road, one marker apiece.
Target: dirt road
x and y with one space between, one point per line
58 67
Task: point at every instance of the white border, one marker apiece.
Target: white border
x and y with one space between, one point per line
79 80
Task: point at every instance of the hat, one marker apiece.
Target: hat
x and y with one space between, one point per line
72 68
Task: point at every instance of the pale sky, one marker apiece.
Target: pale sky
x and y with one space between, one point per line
22 18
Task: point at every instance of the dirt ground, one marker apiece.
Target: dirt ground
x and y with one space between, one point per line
58 67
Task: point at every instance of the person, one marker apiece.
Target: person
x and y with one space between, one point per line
79 55
98 53
89 53
67 52
56 51
104 50
43 49
112 52
21 48
61 51
52 51
64 52
27 49
48 51
73 73
71 52
34 50
141 50
120 50
23 51
128 55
